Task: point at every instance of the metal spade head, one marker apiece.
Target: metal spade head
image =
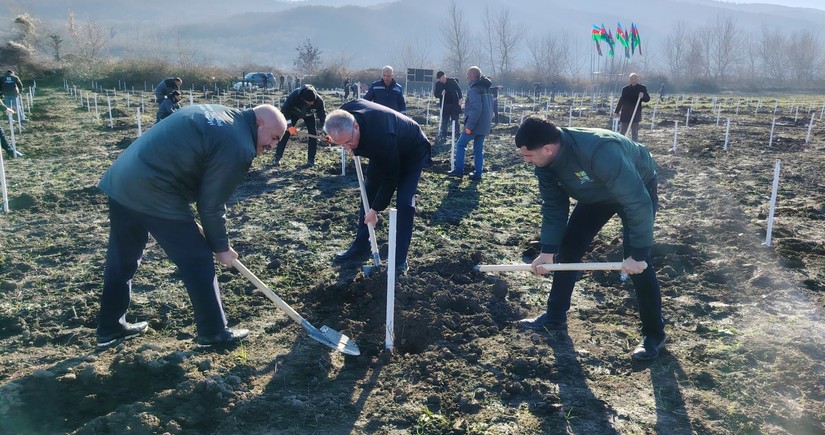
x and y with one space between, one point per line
332 338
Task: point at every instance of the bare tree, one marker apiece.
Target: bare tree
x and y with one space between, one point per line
20 50
488 40
724 45
804 55
545 54
54 42
772 54
572 57
457 39
308 60
416 54
507 38
695 62
675 48
90 40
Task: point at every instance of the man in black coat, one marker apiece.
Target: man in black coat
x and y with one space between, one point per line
448 92
627 102
398 151
302 103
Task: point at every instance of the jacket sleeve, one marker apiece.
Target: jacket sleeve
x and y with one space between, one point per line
385 170
370 95
320 111
402 103
645 95
555 208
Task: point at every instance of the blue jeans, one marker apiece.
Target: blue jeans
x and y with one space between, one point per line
186 247
585 222
478 152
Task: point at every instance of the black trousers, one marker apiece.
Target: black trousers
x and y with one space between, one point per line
186 247
585 222
313 143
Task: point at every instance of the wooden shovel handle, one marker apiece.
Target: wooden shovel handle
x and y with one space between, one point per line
551 267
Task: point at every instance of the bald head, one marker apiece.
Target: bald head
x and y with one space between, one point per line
271 126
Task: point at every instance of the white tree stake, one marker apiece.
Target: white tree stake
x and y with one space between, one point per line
343 162
140 128
452 145
727 135
687 118
109 104
390 331
13 139
675 134
653 117
570 117
810 128
3 183
97 114
773 202
773 124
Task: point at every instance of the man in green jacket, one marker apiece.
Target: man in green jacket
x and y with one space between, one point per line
607 174
199 155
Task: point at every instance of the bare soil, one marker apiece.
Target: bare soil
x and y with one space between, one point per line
745 321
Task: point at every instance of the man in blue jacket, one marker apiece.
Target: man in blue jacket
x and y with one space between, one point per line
387 92
478 122
302 103
165 88
199 155
607 174
398 151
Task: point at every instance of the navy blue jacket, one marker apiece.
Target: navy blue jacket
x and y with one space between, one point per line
391 96
392 141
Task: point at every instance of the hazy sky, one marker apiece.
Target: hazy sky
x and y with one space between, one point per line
816 4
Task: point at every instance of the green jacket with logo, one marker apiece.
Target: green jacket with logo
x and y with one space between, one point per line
598 166
198 155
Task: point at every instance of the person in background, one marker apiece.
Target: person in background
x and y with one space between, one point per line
387 92
168 106
627 102
166 86
198 155
302 103
478 122
11 87
448 92
607 174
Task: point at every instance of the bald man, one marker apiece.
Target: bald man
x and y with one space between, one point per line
198 155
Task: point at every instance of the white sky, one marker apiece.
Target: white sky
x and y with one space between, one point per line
816 4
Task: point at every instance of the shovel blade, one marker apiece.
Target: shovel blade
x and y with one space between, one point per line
332 338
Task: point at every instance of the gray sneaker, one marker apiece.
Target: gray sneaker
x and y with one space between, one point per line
649 348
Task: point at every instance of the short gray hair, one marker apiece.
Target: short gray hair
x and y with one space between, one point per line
386 69
339 121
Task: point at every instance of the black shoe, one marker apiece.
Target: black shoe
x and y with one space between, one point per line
131 330
310 164
475 177
649 348
276 163
227 337
401 269
543 323
455 174
354 252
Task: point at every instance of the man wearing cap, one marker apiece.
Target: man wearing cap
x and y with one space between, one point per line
448 92
166 86
398 150
198 155
11 87
607 174
302 103
387 92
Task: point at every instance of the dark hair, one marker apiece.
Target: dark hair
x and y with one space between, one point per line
536 132
439 74
308 94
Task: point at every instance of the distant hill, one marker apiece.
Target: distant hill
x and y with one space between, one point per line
266 32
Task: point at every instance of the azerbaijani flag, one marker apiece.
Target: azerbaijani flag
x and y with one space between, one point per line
636 41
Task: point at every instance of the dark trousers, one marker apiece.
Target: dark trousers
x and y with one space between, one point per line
585 222
404 196
186 247
313 143
450 115
4 143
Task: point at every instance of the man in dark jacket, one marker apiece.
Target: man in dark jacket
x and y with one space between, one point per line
166 86
199 155
387 92
168 106
607 174
11 152
627 103
11 87
449 96
302 103
478 121
398 151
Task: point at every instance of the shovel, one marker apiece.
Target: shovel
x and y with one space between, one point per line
326 335
551 267
376 258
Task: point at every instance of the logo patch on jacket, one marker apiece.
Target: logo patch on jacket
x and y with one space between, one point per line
583 177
